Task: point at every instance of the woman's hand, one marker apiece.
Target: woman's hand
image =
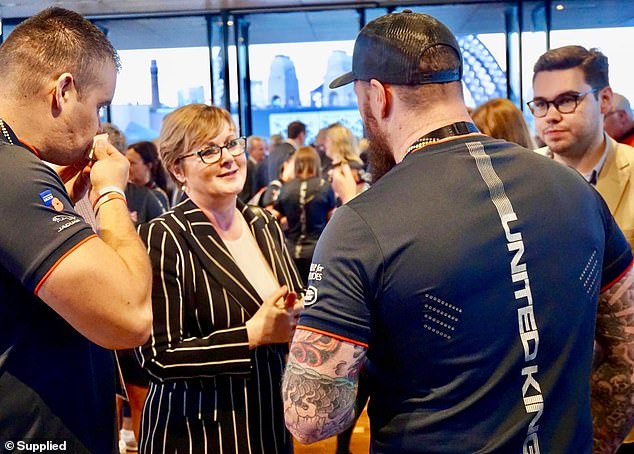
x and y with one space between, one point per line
275 321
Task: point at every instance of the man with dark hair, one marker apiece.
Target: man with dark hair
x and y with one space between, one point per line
462 281
572 96
67 295
619 121
296 132
296 135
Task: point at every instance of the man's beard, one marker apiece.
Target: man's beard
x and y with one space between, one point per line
380 158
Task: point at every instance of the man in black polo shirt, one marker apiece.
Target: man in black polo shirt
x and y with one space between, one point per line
67 295
462 280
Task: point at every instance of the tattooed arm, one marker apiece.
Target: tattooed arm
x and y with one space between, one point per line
612 382
320 385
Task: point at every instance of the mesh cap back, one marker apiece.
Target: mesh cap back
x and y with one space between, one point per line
390 49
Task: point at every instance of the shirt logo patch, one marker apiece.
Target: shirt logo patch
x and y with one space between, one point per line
67 221
311 296
63 217
315 272
57 204
51 201
47 197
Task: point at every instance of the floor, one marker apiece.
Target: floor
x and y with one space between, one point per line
360 443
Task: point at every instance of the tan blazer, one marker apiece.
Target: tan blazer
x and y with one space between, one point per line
616 184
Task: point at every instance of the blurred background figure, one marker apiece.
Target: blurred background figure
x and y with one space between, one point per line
619 121
143 205
296 135
341 147
501 119
319 145
146 170
223 311
257 151
307 202
268 195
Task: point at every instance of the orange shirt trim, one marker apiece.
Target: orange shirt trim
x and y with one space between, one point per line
48 273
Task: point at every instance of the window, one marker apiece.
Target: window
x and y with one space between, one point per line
289 79
610 30
164 64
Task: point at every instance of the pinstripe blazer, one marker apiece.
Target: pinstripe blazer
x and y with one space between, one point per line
209 392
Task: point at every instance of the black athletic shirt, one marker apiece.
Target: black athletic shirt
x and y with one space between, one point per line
472 272
54 383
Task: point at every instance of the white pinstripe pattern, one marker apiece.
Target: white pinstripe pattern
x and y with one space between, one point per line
197 355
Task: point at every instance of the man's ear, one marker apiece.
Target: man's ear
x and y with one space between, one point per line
380 98
605 99
64 88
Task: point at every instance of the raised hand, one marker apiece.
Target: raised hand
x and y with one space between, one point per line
343 182
276 319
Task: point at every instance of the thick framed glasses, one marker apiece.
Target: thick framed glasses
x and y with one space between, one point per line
566 103
212 153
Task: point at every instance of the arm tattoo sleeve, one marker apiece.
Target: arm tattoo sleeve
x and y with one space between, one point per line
320 385
612 382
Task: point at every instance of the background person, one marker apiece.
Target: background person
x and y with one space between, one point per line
222 325
619 121
306 201
445 281
280 153
143 204
341 147
147 171
501 119
62 302
257 151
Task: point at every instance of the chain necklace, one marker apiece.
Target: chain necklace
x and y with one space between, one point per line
5 133
452 130
421 143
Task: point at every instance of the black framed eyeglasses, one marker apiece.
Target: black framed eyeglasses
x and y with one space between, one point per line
211 153
565 103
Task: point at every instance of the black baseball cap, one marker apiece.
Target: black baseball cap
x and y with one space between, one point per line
390 48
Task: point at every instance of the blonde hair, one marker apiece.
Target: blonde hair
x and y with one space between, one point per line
344 144
501 119
307 163
187 127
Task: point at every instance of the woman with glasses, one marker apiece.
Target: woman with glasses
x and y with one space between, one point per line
223 301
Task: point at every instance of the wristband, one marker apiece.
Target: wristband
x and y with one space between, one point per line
107 197
109 190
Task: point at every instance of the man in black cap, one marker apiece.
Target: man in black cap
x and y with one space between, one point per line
461 280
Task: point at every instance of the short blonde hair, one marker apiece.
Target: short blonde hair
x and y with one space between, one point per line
501 119
188 127
307 163
344 143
